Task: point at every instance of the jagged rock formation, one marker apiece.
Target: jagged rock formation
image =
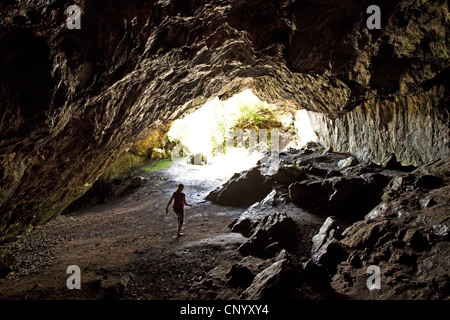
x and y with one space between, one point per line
402 228
243 189
73 101
406 235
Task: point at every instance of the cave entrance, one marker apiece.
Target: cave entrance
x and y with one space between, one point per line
225 137
212 143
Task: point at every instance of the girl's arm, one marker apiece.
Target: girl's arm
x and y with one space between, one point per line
170 201
185 202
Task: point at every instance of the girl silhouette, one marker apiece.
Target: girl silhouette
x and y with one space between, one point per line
179 200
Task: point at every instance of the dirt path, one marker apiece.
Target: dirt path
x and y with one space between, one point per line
127 248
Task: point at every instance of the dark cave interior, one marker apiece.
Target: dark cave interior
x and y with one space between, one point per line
350 127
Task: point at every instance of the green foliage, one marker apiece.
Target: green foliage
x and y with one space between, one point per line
157 165
254 116
257 116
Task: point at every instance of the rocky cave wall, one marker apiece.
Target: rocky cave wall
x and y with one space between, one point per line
407 126
73 101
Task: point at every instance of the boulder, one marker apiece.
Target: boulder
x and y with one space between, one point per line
248 220
137 181
289 174
278 281
326 249
287 278
415 239
347 162
315 146
331 254
362 234
354 197
316 275
273 233
351 197
197 158
326 231
240 276
428 181
311 195
243 189
359 169
390 162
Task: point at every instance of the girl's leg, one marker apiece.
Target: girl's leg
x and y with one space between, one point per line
180 225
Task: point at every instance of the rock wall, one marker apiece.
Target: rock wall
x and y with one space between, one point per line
408 126
73 101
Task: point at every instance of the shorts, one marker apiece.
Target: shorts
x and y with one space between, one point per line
180 214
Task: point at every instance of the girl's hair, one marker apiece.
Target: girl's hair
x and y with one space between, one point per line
180 187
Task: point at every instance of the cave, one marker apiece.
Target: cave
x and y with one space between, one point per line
318 148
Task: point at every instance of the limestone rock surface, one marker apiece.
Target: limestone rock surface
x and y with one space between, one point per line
72 102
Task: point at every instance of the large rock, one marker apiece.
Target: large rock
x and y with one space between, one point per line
242 189
289 174
326 249
311 194
137 181
406 236
274 233
347 162
242 273
350 197
326 232
275 282
197 158
240 276
355 196
289 279
249 220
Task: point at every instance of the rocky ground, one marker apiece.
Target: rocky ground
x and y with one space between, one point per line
126 247
308 231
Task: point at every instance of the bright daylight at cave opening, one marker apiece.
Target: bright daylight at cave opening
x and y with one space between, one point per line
226 137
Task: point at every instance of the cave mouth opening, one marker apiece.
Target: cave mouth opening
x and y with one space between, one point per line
225 137
208 146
